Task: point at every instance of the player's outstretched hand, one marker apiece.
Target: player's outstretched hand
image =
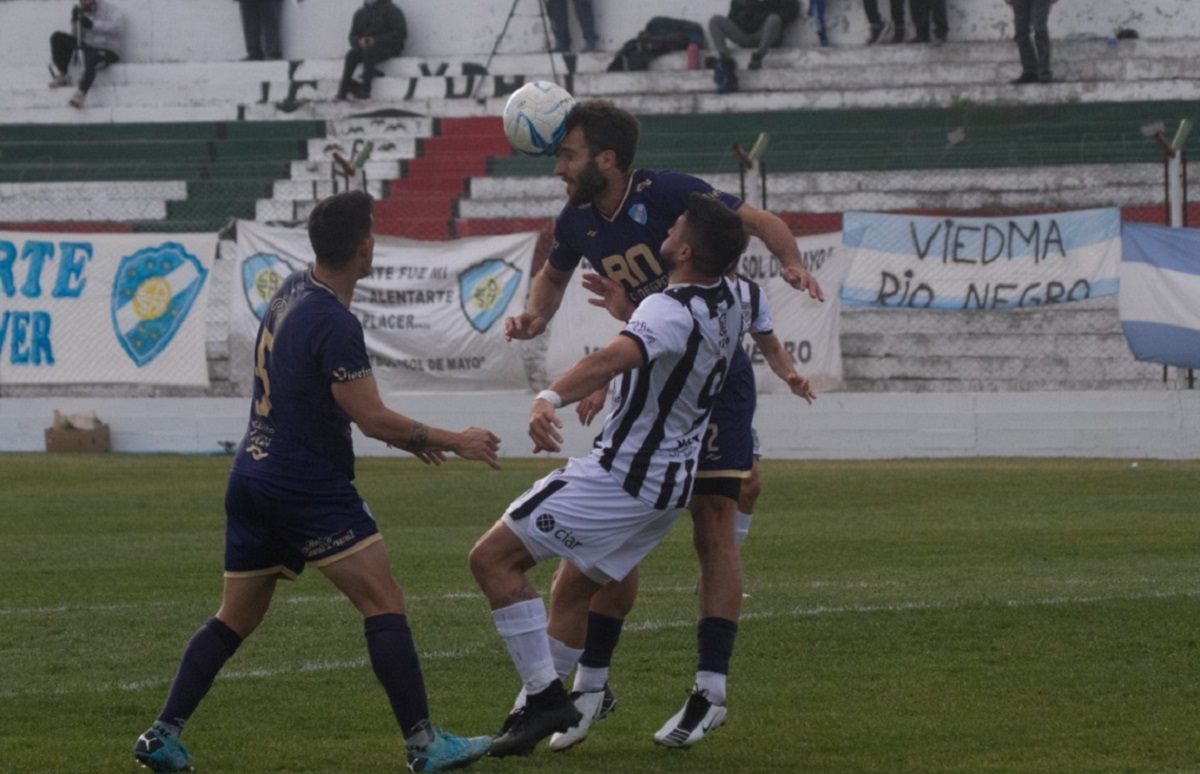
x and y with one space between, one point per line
610 294
799 278
544 426
800 387
591 406
479 444
523 326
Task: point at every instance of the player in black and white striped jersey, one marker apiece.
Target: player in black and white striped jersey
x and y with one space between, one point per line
605 512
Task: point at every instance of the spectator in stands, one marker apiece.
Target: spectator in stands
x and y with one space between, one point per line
756 24
882 31
260 27
922 10
1033 15
97 29
377 33
816 9
557 11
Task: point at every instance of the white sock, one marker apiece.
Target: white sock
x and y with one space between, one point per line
590 679
564 658
714 683
741 528
523 627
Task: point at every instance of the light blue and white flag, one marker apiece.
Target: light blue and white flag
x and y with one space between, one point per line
1160 294
919 262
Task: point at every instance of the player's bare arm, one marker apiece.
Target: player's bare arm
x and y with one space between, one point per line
781 365
591 373
778 238
360 400
545 297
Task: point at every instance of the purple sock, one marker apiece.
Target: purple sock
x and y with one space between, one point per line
208 650
714 642
603 632
394 659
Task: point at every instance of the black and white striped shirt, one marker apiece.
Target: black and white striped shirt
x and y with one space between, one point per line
651 437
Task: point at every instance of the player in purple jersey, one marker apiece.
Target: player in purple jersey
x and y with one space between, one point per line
670 362
290 500
616 217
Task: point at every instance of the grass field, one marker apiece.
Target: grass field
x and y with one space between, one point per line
916 616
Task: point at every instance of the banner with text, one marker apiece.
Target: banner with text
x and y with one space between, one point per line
916 262
104 308
1159 301
432 312
808 329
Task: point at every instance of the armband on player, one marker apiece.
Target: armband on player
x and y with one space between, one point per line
551 397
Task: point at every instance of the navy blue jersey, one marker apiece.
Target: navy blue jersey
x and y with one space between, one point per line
297 432
625 247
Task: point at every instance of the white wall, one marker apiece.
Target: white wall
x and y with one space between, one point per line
1146 424
210 30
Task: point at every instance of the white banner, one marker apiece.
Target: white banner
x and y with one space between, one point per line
104 308
432 312
915 262
808 329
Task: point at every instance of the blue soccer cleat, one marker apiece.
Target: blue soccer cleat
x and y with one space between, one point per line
447 752
160 751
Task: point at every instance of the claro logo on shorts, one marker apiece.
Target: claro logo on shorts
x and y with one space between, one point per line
545 522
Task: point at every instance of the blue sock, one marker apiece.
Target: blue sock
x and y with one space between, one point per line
394 659
210 647
603 632
714 642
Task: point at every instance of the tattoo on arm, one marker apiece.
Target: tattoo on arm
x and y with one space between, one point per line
419 439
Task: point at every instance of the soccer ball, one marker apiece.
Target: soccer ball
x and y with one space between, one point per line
535 117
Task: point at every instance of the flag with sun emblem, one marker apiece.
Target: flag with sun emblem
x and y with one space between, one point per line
485 290
153 292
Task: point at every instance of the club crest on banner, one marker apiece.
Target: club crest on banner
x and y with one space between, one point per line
153 292
485 290
262 274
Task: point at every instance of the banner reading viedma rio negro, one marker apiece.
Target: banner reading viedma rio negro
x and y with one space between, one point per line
432 312
915 262
104 308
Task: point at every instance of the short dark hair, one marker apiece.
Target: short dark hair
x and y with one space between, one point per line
606 127
715 233
338 224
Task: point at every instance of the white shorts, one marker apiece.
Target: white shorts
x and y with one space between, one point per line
582 514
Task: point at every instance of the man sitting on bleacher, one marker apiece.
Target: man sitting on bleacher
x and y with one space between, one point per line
97 31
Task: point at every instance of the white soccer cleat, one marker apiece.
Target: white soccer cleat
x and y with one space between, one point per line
690 724
593 706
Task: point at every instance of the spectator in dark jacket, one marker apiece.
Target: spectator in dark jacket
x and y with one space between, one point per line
377 33
756 24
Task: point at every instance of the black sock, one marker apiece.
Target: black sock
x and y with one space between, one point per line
603 632
394 659
210 647
714 642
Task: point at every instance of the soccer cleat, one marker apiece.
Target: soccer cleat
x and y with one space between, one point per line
593 706
77 99
543 714
447 752
690 724
159 750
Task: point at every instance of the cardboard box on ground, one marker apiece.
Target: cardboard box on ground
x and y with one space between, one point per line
77 433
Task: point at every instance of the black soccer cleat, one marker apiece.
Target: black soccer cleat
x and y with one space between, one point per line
545 713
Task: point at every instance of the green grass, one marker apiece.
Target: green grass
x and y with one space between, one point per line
918 616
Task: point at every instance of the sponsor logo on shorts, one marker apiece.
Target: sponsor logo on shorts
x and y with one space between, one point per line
545 522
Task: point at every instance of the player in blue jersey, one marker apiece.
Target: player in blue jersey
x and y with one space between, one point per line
616 217
290 500
670 362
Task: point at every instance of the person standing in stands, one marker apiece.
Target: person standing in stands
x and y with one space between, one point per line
260 27
557 11
922 11
1033 16
97 31
377 33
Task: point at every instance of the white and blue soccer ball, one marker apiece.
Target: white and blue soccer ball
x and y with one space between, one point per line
535 117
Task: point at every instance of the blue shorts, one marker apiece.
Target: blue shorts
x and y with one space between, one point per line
275 530
727 451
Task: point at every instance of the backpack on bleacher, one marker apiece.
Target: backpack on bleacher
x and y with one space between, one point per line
661 35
